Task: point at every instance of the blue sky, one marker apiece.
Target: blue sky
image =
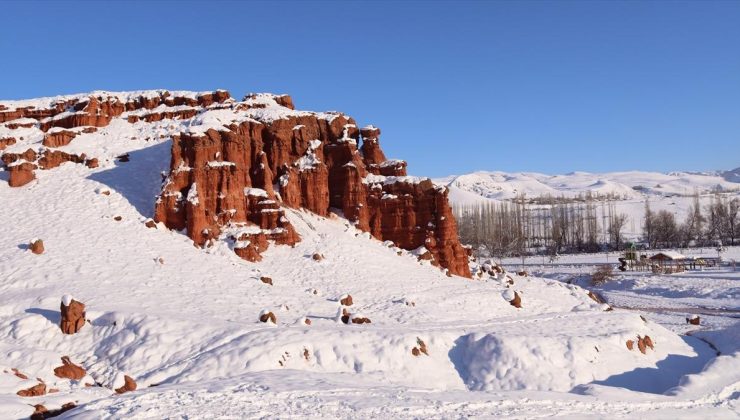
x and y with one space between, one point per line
542 86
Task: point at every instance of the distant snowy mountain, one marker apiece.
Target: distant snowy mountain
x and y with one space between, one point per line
732 176
624 185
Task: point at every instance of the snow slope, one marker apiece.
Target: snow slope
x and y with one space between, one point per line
182 321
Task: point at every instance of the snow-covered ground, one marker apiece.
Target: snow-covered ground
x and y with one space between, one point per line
183 321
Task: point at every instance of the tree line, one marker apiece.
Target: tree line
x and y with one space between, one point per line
710 225
588 224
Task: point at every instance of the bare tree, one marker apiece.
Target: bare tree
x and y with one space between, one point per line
616 224
665 229
647 227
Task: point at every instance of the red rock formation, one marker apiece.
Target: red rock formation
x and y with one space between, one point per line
18 373
266 316
648 341
21 166
21 174
517 301
5 142
69 370
41 412
129 385
346 300
59 138
34 391
37 247
10 158
73 315
53 158
361 320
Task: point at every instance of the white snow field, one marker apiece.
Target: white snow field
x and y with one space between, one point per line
183 321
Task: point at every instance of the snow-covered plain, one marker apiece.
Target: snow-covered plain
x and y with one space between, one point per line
183 321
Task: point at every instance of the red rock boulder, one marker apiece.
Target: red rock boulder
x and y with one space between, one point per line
69 370
37 246
73 315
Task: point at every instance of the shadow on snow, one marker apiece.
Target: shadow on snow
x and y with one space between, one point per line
140 179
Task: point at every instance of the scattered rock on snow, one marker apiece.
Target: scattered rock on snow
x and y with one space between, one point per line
693 320
346 300
41 412
34 391
73 315
317 257
421 348
267 316
18 373
69 370
128 385
361 320
151 224
513 298
266 280
37 246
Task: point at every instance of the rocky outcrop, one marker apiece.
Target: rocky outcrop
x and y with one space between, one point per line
69 370
58 138
66 119
300 160
7 141
21 174
240 164
73 315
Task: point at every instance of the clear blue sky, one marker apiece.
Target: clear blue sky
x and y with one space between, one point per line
516 86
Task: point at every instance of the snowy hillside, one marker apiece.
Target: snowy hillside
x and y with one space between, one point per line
183 321
624 185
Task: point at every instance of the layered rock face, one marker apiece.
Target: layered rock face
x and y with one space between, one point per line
229 176
61 121
237 166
